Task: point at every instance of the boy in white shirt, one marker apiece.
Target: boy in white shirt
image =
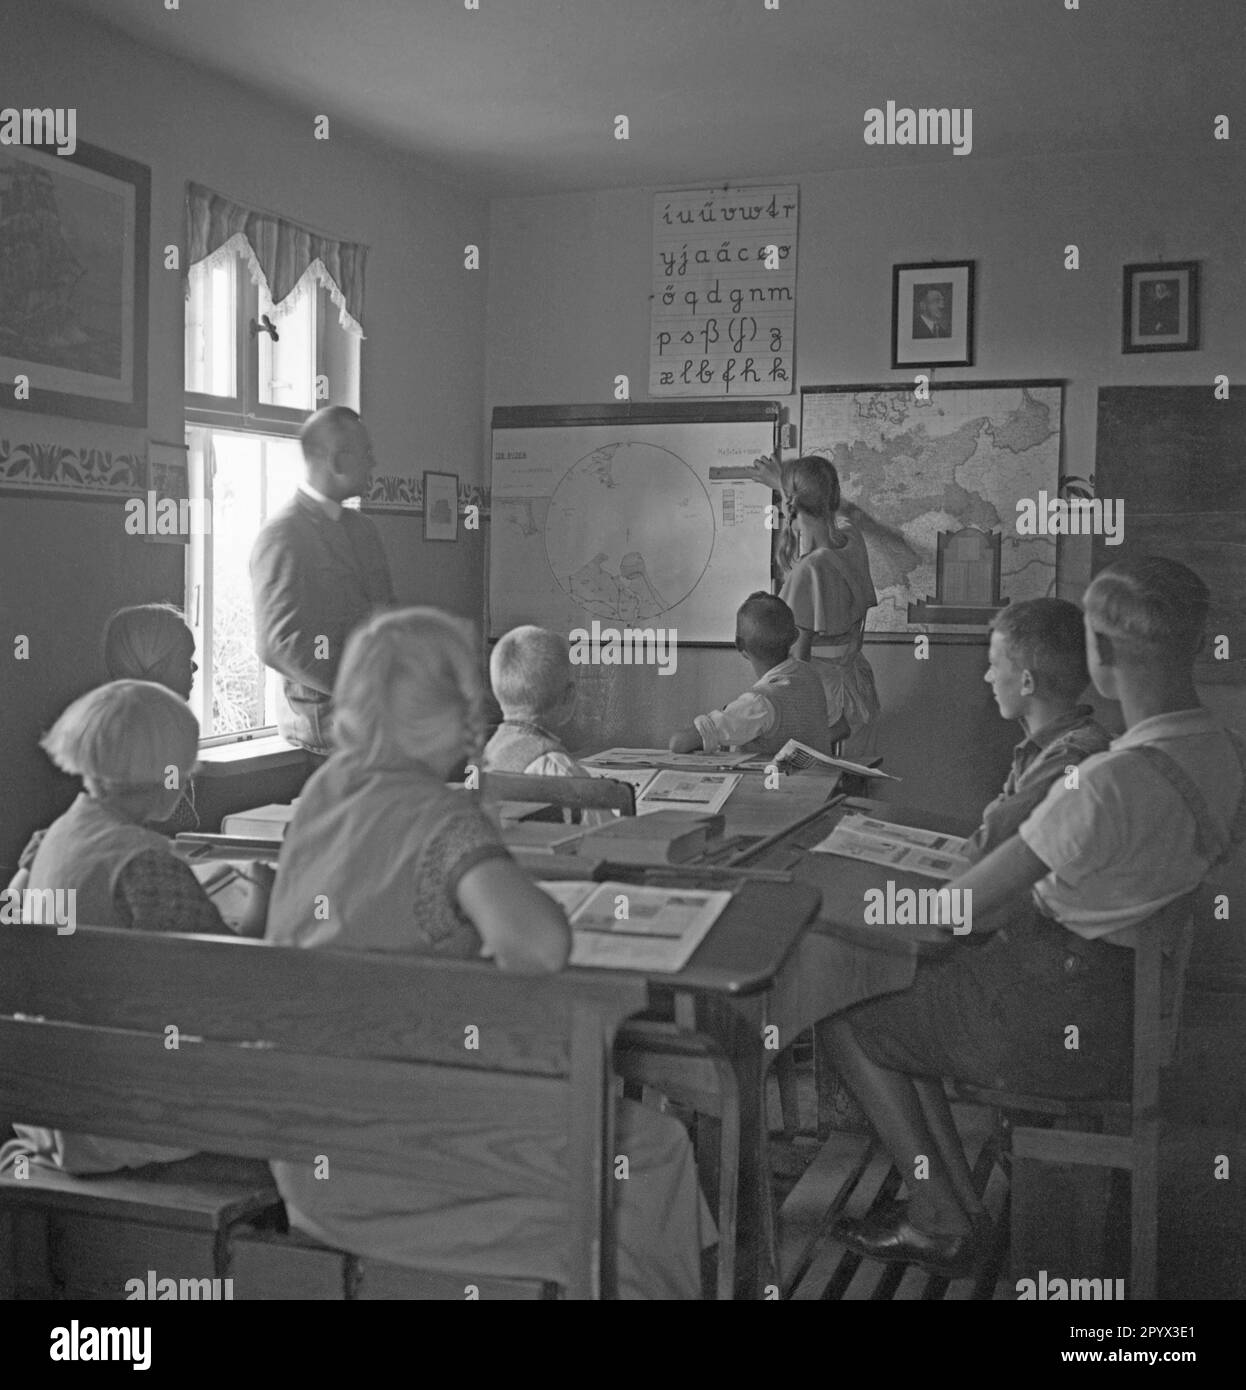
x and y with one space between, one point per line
1055 902
786 700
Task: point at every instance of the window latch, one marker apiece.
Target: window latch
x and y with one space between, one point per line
265 325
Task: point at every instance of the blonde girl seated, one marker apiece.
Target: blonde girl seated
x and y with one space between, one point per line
400 862
133 743
149 642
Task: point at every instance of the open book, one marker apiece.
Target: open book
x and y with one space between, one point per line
906 847
673 790
662 757
799 756
626 926
639 777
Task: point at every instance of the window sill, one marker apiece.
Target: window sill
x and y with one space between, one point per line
248 755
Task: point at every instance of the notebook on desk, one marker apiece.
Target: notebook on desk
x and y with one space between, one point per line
629 926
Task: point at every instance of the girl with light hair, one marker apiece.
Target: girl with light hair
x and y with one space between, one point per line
133 743
148 642
382 856
828 586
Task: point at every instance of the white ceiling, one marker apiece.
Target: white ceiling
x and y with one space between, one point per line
520 96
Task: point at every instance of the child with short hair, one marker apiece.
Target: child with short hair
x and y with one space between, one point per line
786 701
146 642
530 671
1055 903
133 743
1037 669
406 864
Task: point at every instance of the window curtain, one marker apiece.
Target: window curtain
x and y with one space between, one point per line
281 255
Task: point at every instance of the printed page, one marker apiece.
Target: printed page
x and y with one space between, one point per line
627 926
639 777
687 791
801 756
567 893
662 757
918 851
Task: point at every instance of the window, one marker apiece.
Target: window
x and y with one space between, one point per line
247 394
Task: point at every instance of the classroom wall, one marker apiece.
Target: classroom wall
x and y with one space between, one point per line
569 284
65 564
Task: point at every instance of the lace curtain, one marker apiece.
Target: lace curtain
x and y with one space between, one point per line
282 256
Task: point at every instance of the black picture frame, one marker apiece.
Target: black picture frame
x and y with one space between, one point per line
443 496
1173 322
953 281
99 296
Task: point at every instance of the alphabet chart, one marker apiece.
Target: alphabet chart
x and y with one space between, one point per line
724 292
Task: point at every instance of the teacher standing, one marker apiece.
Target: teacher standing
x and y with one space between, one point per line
827 585
318 569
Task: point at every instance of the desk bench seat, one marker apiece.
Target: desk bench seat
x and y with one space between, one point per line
268 1265
84 1237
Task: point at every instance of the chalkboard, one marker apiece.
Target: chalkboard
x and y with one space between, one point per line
1174 456
632 516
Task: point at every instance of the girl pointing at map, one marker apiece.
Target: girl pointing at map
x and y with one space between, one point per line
827 585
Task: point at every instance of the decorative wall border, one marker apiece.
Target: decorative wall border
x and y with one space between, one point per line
66 469
107 473
393 492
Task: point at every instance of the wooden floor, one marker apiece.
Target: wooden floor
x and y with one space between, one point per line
850 1175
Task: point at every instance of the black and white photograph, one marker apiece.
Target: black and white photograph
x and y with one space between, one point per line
932 315
1160 307
614 685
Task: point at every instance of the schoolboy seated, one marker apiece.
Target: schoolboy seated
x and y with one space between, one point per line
530 671
1037 669
1053 908
125 740
785 701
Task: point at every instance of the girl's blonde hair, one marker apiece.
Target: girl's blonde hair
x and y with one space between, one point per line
140 642
125 736
810 485
408 687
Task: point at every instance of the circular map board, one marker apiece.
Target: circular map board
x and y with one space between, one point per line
629 532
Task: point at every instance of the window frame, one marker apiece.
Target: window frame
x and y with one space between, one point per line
242 413
244 410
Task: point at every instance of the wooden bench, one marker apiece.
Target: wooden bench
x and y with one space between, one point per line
395 1065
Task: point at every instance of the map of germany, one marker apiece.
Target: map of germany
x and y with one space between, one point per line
911 469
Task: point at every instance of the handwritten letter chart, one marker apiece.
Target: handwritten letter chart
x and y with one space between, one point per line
724 292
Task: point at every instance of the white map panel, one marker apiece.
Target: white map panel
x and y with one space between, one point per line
909 469
623 523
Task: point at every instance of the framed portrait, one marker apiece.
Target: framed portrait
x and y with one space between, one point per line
73 280
932 314
441 506
1160 307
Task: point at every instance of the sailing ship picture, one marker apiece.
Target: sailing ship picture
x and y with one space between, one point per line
73 282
